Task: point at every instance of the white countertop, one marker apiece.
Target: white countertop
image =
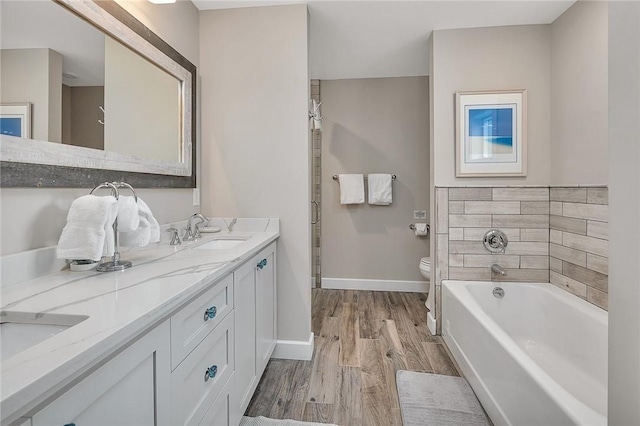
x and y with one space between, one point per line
119 305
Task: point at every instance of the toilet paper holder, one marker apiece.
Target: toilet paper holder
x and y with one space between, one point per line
413 227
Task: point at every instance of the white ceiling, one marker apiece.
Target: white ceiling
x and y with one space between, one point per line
363 39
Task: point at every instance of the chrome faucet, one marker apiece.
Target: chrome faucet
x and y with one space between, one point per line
175 239
498 269
192 233
232 224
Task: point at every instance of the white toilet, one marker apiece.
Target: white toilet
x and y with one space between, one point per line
425 267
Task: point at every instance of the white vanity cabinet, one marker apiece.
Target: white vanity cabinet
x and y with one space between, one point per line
198 367
133 388
255 312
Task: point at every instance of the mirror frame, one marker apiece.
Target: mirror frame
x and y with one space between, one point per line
29 163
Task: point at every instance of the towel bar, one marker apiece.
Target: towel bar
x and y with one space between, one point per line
335 177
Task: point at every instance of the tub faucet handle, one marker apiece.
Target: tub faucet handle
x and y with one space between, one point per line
495 241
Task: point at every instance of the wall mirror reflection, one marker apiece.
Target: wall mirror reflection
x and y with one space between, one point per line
95 101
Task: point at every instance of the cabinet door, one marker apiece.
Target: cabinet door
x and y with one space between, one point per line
266 307
244 290
131 389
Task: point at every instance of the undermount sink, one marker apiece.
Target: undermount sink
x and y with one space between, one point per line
223 243
22 330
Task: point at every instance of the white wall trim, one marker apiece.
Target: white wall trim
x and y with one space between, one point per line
431 323
375 285
294 349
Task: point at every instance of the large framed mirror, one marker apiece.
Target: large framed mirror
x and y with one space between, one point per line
90 94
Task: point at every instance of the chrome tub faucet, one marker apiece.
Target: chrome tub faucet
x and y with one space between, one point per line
498 269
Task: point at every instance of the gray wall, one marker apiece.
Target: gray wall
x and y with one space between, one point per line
579 90
33 218
35 75
80 115
375 126
492 58
255 95
624 201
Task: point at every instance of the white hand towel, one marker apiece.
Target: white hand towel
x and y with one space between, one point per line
146 213
147 231
84 235
138 238
128 217
380 189
109 243
351 189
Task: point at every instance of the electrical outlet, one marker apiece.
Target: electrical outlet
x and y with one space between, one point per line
196 196
419 214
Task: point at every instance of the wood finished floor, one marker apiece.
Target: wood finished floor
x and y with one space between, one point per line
361 339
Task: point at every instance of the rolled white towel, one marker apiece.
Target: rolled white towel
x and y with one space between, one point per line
88 220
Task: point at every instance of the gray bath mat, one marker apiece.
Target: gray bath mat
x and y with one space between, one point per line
432 399
263 421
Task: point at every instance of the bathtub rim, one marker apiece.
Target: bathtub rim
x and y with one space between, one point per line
459 290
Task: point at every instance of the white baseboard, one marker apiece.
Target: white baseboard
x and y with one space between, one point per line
431 323
375 285
294 349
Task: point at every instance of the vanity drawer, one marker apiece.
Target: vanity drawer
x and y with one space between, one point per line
219 414
199 379
191 324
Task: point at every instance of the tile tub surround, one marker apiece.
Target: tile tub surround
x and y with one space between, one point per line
556 234
119 306
579 242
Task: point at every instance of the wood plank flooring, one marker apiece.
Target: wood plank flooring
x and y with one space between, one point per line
361 339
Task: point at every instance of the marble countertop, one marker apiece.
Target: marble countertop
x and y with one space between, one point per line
120 306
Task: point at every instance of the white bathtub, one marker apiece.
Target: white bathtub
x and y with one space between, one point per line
538 356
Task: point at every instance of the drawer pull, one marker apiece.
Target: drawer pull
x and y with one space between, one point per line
70 424
262 263
210 313
211 372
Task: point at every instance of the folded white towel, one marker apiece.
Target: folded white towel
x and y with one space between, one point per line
147 231
138 238
146 213
380 189
109 243
128 217
351 188
84 235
